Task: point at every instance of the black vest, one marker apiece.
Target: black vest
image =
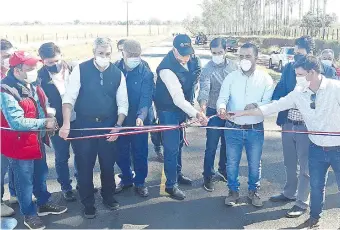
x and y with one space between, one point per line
96 100
188 79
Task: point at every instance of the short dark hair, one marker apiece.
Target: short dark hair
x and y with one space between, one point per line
120 42
253 46
48 50
305 42
5 44
308 63
218 42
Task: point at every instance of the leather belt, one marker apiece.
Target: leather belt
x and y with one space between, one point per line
252 126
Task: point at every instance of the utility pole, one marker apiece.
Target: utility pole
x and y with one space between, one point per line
127 17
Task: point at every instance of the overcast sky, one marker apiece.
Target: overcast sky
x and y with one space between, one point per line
95 10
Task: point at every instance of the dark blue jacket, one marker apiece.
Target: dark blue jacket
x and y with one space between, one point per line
287 84
140 87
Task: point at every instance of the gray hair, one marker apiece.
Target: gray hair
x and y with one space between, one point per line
132 47
102 42
328 51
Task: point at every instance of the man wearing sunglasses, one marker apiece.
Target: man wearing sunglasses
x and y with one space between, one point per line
295 147
318 100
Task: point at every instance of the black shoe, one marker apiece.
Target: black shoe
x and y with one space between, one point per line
70 196
295 211
90 212
310 223
34 222
51 208
175 193
280 198
142 191
208 184
222 175
120 187
184 180
111 203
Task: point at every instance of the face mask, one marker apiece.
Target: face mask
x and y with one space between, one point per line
327 62
133 62
302 82
102 62
297 57
31 76
56 68
218 59
6 63
245 65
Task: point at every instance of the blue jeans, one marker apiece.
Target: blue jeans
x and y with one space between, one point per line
139 151
30 178
213 137
62 155
4 169
253 142
172 143
320 159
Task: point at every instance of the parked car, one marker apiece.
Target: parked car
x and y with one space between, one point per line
281 57
201 39
232 44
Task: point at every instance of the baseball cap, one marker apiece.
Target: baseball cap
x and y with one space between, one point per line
182 43
22 57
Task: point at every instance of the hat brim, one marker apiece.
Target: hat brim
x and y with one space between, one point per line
185 51
31 61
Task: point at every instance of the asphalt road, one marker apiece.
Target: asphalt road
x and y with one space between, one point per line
200 209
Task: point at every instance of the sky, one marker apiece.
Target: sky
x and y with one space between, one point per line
96 10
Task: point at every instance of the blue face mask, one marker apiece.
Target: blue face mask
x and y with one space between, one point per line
133 62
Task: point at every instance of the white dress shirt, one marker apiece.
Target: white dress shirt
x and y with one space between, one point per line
175 89
72 91
324 118
239 90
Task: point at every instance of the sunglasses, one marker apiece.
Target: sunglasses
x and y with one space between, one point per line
312 98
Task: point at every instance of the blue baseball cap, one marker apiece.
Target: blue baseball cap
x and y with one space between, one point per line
182 43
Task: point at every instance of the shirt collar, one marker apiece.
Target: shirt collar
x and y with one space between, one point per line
322 86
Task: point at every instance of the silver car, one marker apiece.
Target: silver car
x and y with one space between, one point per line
281 57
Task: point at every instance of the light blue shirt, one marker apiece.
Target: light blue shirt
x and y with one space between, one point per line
238 90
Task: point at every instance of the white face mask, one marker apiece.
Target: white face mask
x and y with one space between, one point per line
133 62
245 65
31 76
217 59
327 62
6 63
302 82
102 62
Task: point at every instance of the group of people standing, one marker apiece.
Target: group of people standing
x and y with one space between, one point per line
66 105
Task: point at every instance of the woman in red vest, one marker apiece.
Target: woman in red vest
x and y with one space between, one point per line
24 123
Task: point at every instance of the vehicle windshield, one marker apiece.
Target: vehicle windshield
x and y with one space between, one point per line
290 51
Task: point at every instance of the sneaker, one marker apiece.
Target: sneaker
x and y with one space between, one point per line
69 196
255 198
51 208
295 212
13 200
184 180
232 198
208 184
111 203
175 193
310 223
142 191
34 222
280 198
90 212
6 211
222 175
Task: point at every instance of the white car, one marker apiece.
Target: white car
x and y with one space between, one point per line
281 57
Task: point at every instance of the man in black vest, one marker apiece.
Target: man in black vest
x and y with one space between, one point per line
97 91
177 76
140 87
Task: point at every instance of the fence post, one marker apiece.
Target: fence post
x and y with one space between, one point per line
27 38
327 33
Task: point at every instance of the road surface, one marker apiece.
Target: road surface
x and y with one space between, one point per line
200 209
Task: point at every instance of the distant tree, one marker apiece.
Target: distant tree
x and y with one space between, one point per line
192 25
76 22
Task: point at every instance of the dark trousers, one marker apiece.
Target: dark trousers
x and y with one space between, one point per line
138 144
156 137
172 143
86 152
213 138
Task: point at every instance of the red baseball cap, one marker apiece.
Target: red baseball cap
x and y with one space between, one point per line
22 57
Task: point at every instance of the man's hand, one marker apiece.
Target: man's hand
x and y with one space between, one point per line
112 138
50 123
251 106
222 113
203 108
64 131
202 118
239 114
139 122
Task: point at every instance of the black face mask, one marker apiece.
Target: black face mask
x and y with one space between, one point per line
53 68
297 57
